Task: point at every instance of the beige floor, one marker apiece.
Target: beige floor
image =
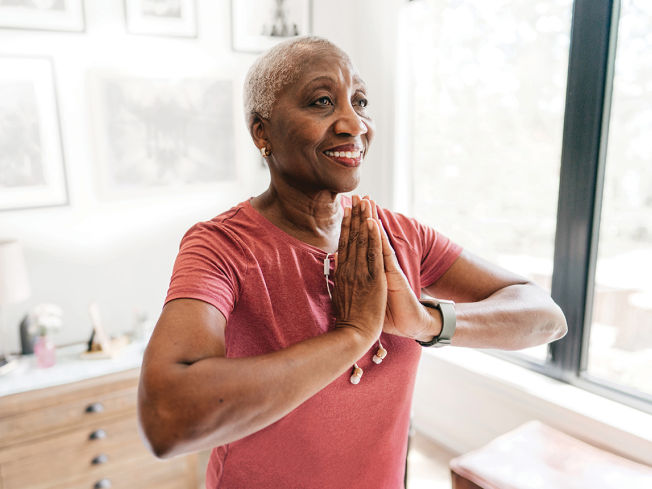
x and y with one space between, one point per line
427 465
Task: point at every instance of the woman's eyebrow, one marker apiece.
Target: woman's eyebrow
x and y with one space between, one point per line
359 83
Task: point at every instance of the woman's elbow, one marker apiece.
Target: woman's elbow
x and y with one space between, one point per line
157 422
154 431
557 323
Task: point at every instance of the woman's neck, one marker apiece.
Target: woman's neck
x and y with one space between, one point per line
312 218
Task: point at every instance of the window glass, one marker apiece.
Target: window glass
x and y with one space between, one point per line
489 83
621 331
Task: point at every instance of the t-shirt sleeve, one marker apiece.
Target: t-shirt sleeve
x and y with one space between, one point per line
209 267
438 253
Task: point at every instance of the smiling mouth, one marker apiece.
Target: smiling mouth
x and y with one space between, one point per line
346 158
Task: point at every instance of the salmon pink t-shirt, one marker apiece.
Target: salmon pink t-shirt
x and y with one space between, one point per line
272 291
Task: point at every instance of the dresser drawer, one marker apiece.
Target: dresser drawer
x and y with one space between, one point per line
49 439
45 412
176 473
88 451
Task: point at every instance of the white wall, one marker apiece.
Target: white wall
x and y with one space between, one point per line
465 398
120 252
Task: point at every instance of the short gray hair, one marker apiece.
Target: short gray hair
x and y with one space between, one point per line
275 69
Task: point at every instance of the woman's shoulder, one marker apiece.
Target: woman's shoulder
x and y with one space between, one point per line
231 227
400 225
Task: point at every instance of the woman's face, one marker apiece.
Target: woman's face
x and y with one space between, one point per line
319 129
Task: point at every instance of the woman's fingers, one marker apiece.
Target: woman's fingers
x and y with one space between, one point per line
389 257
354 244
363 235
343 246
374 210
354 232
387 250
374 249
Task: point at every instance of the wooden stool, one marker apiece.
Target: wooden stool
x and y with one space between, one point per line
535 456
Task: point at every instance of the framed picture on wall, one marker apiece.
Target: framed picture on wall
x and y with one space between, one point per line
32 172
162 135
177 18
54 15
256 25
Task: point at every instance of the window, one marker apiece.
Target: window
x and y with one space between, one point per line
620 348
489 87
509 125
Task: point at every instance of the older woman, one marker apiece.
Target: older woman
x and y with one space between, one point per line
298 370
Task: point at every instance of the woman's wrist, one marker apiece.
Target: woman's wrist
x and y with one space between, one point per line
433 324
355 335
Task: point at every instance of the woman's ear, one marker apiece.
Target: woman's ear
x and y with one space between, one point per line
258 130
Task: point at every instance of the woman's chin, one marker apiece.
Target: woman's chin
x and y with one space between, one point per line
349 186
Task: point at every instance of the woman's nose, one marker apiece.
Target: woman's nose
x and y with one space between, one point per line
349 122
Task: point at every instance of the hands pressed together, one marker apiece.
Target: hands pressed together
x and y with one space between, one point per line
372 294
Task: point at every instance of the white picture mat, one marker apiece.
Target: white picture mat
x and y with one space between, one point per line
69 18
35 73
139 22
154 136
249 17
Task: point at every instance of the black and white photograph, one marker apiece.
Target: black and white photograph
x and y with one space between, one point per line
258 25
158 133
31 161
55 15
175 18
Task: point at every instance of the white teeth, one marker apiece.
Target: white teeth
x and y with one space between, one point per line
344 154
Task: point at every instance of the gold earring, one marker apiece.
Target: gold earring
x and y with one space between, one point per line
265 151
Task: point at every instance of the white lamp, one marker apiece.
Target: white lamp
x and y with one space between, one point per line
14 284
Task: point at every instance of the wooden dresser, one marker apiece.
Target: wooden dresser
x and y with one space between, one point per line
83 435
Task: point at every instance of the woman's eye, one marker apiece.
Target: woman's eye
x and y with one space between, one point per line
323 101
363 102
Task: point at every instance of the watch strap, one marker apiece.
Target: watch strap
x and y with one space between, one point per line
447 310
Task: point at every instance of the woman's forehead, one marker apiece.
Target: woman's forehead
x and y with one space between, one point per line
328 68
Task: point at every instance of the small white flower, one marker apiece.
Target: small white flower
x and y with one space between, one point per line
47 318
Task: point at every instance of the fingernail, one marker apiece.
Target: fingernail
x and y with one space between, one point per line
370 224
347 211
362 205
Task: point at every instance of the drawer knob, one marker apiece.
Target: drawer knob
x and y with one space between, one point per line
102 484
100 459
97 435
96 407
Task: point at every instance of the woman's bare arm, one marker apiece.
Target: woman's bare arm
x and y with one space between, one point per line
496 308
191 397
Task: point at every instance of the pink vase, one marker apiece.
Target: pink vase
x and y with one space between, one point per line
45 352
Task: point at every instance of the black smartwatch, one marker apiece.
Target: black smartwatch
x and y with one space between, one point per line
447 310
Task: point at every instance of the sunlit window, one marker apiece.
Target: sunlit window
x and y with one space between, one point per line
621 331
489 83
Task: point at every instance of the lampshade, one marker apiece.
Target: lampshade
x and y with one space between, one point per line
14 284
